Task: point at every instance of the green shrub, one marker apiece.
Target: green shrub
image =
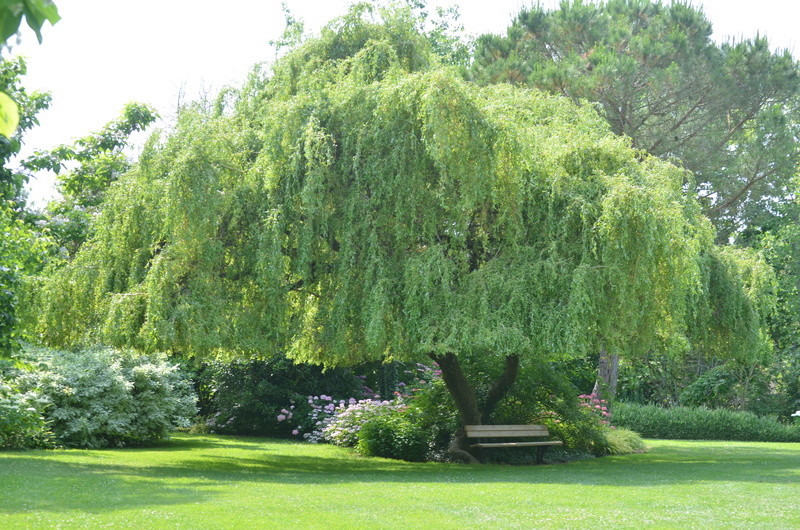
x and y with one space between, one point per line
22 425
343 426
689 423
245 397
434 411
712 389
623 441
102 397
544 396
393 435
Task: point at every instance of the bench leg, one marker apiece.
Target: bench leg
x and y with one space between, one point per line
540 454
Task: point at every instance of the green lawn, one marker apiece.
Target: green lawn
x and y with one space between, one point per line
223 482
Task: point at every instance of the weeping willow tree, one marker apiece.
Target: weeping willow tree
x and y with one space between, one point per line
363 203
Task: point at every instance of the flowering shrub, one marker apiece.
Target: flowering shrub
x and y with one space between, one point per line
344 427
311 417
22 425
325 419
597 406
332 421
102 397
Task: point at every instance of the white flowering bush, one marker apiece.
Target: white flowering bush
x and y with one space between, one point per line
22 425
105 397
346 423
336 421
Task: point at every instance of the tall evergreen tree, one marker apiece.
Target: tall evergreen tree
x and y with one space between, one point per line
722 111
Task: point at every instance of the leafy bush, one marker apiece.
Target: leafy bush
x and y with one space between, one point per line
393 435
689 423
712 389
22 425
544 396
245 397
102 397
623 441
434 411
344 426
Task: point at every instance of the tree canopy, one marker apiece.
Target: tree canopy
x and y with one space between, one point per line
364 202
725 112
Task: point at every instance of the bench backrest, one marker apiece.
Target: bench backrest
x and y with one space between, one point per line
505 431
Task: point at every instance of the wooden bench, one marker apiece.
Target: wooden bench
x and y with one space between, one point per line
493 432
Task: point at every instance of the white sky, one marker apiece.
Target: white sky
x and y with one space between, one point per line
105 53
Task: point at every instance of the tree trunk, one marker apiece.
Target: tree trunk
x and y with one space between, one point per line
458 386
501 387
605 386
466 400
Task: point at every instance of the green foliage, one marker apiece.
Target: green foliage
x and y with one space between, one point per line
101 398
781 247
22 423
92 164
723 111
245 397
35 12
435 413
22 251
12 179
712 389
413 215
394 435
739 296
687 423
623 442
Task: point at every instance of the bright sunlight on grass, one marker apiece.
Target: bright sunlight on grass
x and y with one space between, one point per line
224 482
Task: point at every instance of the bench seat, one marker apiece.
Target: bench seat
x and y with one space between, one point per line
494 432
516 444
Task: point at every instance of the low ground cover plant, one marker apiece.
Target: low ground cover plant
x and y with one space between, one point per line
699 423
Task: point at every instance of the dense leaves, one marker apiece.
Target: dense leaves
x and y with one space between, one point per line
364 203
101 397
22 251
726 112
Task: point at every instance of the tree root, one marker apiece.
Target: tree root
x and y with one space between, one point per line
457 451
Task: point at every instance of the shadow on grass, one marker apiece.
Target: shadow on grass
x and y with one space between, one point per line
43 481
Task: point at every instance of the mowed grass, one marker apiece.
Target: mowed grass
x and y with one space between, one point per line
225 482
